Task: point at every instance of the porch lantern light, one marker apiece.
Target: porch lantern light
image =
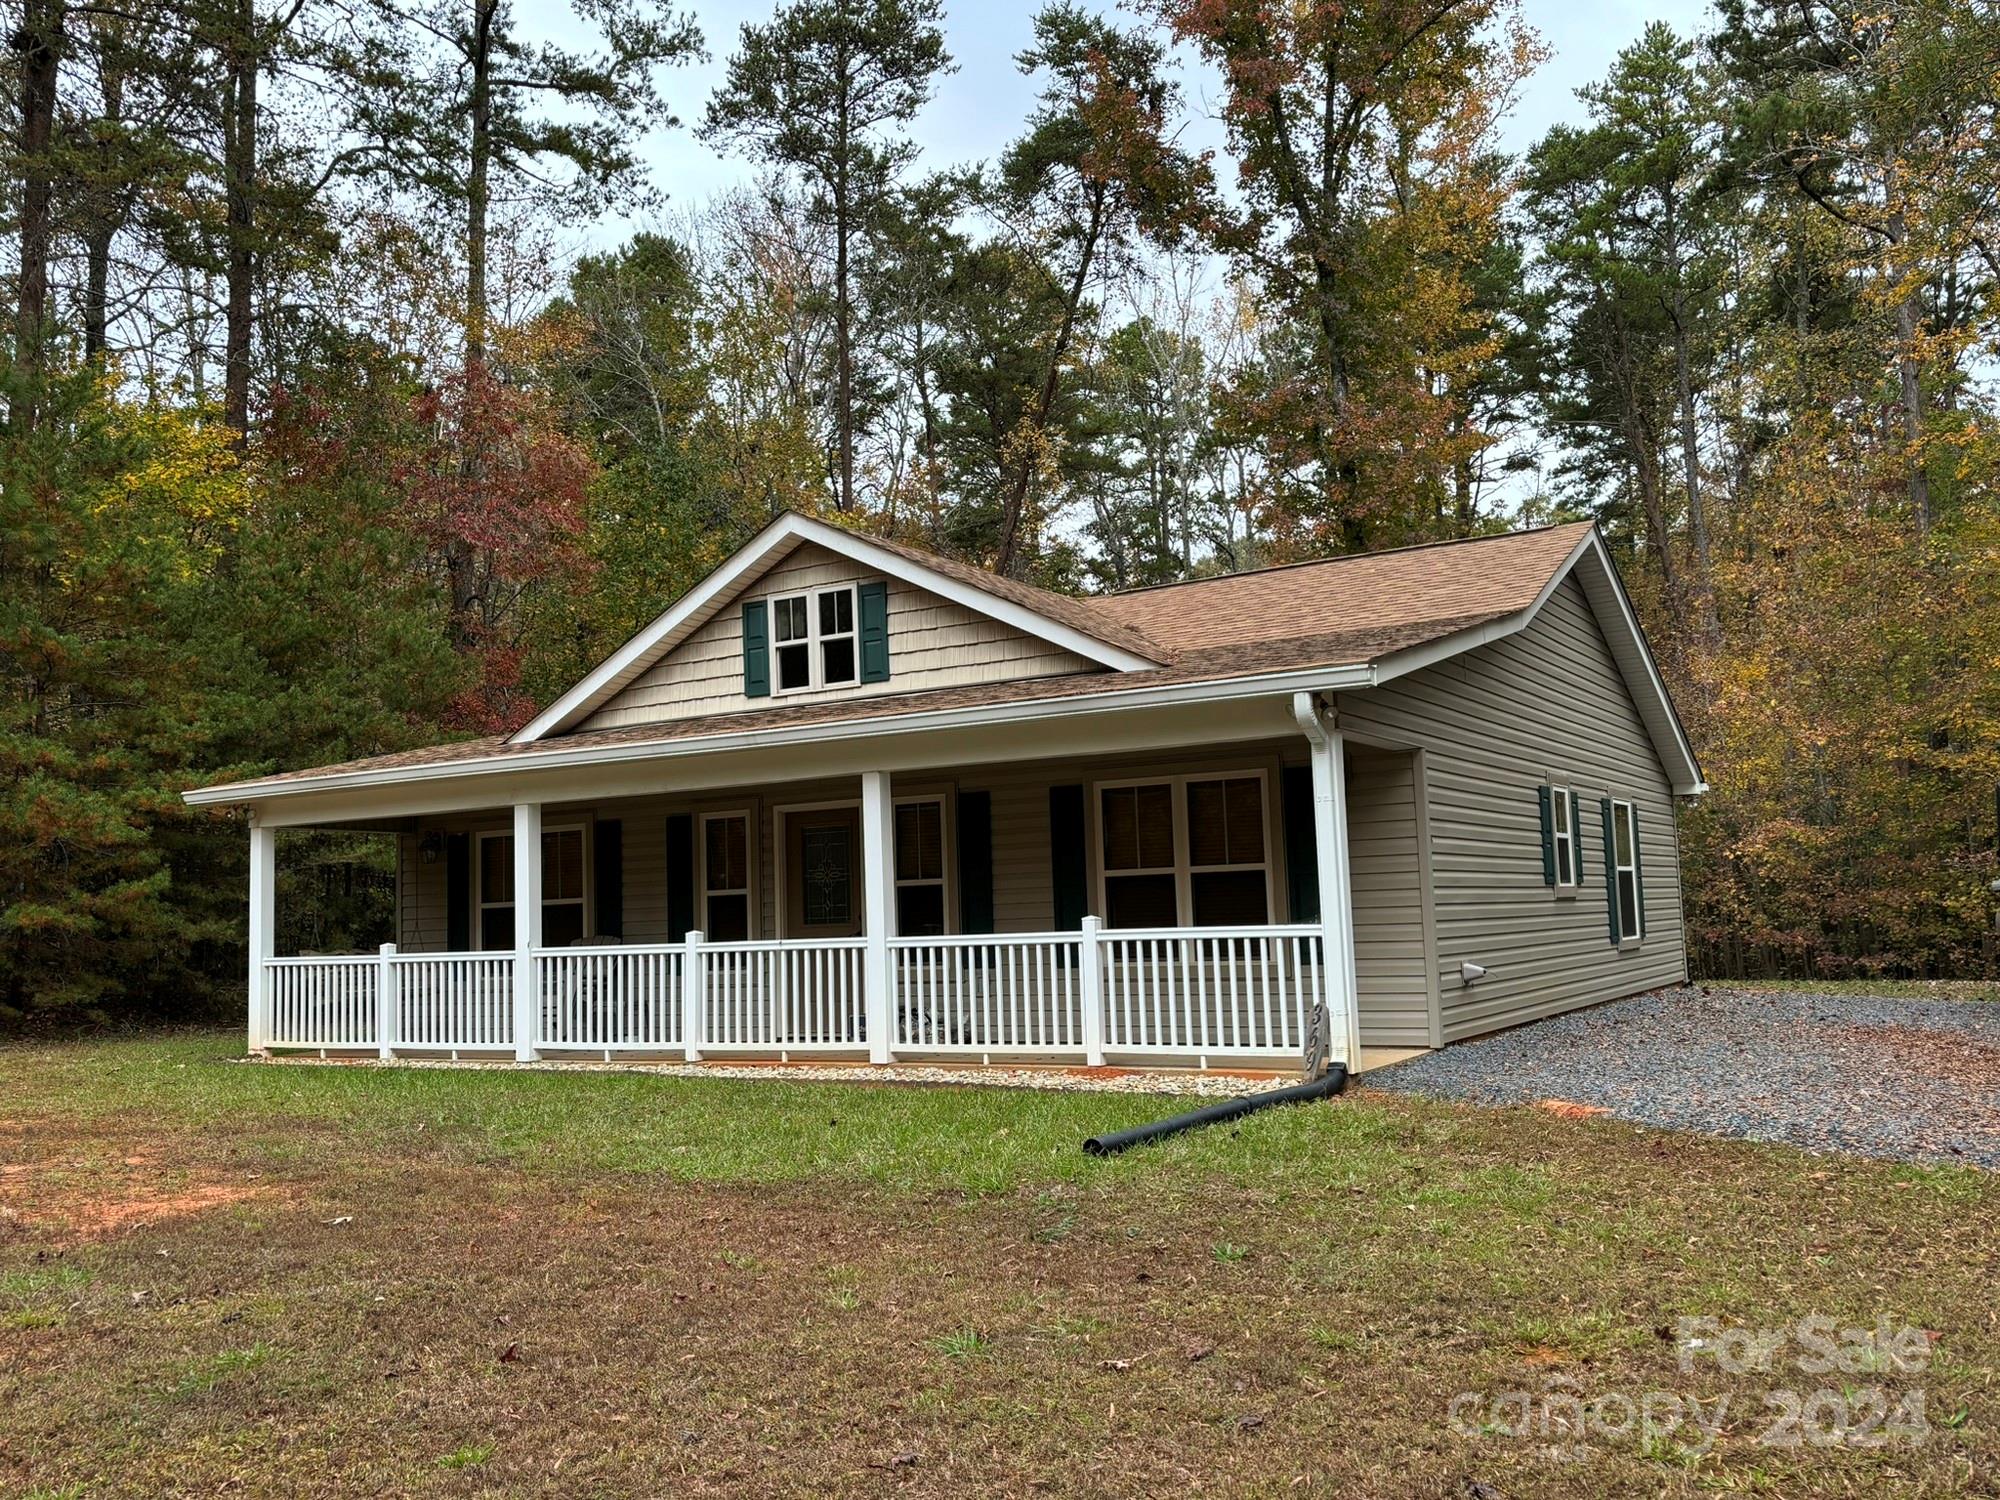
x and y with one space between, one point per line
430 847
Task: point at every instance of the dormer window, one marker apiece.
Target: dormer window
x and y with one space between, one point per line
813 637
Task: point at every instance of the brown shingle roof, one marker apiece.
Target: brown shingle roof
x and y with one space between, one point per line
1077 614
1488 576
1340 612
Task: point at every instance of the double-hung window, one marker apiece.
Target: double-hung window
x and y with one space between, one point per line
725 877
1625 867
1563 831
562 888
920 867
1185 851
813 638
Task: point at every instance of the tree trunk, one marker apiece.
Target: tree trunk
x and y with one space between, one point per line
479 167
1908 369
843 332
1017 499
38 47
109 201
466 624
240 170
1697 518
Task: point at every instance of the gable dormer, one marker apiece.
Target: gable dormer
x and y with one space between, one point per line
811 613
819 626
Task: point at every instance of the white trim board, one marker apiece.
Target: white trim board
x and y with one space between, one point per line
558 755
751 561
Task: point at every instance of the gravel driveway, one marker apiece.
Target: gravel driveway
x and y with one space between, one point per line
1911 1080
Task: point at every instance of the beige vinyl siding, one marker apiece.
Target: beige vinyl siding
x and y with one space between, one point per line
933 643
1544 705
420 898
1393 976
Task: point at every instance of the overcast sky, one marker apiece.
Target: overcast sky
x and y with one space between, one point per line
977 110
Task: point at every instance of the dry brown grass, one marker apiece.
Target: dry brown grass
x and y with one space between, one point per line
288 1304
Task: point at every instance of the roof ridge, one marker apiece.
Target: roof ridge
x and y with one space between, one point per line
1320 562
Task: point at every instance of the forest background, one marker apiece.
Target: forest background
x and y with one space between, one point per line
327 431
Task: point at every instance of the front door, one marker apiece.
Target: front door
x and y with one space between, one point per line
823 873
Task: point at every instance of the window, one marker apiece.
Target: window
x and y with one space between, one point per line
813 638
496 890
1185 851
1563 831
1141 876
563 892
725 877
1625 867
920 867
836 637
789 629
1226 879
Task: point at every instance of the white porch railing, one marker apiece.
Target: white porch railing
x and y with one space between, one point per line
324 1002
987 994
783 997
451 1002
1200 995
1210 990
611 999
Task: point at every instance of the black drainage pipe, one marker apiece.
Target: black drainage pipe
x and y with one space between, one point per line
1114 1141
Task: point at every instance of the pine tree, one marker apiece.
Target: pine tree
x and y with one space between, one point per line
827 89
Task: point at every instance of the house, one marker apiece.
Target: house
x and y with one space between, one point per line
846 798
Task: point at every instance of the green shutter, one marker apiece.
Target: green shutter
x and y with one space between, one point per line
1295 785
1548 836
1610 866
607 871
458 892
757 649
874 632
1575 838
1638 874
680 877
1069 879
975 861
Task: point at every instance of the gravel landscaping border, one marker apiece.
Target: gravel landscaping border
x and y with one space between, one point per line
1905 1080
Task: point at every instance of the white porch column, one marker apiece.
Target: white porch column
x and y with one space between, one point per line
263 922
878 885
527 925
1336 893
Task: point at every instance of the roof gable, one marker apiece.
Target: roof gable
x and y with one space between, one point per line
1278 631
933 645
1064 624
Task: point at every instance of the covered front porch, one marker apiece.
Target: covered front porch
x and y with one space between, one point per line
1181 905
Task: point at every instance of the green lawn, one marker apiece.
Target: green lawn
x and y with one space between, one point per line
219 1278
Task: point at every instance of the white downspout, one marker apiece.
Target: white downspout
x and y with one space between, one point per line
1336 897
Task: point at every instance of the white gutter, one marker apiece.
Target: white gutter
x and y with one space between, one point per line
1167 695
